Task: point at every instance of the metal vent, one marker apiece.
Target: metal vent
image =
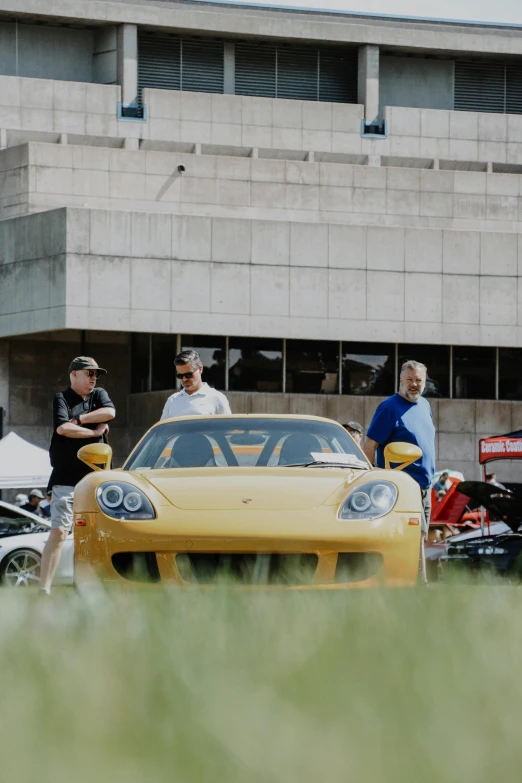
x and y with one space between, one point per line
202 63
159 62
513 88
297 74
255 70
480 87
338 76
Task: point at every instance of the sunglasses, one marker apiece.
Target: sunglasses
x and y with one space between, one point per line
92 373
187 375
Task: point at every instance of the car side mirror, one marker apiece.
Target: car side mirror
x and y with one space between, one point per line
97 456
401 455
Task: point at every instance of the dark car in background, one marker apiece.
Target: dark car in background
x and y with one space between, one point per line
499 551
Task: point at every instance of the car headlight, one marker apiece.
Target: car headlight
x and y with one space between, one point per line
123 501
369 501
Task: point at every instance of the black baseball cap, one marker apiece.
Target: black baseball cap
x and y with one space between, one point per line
355 426
86 363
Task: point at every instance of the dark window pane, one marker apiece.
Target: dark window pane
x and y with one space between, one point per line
140 344
312 367
473 373
510 374
163 355
255 364
369 368
437 360
212 351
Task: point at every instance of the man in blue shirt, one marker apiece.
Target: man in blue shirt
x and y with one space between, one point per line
407 417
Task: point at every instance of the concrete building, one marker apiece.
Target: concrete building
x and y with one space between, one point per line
307 198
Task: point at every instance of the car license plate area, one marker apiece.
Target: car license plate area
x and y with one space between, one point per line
249 568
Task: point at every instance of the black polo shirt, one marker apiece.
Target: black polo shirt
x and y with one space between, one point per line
68 470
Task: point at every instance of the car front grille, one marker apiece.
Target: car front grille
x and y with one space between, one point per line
250 568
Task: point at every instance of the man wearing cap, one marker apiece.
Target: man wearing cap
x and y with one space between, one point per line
355 430
33 504
80 416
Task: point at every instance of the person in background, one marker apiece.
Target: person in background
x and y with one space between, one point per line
407 417
491 478
21 500
443 484
35 498
80 416
45 505
355 430
196 398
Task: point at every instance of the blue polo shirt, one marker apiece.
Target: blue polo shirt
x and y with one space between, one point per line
396 419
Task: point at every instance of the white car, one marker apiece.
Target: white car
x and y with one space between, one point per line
22 539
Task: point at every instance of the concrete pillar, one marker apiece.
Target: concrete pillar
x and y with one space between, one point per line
4 380
229 69
128 62
368 82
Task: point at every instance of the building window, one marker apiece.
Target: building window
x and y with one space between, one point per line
167 62
140 365
474 372
212 351
437 360
255 364
368 368
163 355
312 367
488 86
510 374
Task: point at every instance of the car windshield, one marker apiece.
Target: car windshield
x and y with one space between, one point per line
242 442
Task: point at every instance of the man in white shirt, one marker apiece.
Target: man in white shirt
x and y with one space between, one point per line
196 398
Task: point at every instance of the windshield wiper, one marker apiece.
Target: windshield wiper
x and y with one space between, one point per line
359 465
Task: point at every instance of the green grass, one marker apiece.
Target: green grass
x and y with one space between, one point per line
237 687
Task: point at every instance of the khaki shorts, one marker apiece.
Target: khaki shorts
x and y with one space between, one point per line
62 507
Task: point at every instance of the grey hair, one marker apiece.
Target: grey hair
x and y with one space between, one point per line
188 357
413 365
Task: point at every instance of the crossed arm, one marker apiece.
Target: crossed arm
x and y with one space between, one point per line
100 417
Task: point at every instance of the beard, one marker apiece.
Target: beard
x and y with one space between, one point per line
410 396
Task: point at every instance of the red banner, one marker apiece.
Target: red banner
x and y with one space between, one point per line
499 448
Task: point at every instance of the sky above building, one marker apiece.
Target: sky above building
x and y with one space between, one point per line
499 12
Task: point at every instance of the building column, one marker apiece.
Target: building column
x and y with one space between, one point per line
368 82
128 62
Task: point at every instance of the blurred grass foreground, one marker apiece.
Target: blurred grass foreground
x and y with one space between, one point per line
244 687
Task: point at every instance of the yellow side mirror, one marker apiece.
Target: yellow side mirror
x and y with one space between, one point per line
402 454
97 456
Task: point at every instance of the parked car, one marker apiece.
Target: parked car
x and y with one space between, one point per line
259 499
22 539
499 551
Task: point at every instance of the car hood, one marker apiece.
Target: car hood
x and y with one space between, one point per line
265 489
502 503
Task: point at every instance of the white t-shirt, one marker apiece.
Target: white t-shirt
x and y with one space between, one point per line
205 402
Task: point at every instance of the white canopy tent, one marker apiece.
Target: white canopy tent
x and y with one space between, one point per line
22 465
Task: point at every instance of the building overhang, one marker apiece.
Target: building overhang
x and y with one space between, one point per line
248 21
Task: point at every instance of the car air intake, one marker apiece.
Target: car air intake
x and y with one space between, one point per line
357 566
247 569
137 566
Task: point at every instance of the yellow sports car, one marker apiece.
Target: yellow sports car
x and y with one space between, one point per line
258 500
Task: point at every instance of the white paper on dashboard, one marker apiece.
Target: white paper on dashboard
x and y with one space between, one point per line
350 460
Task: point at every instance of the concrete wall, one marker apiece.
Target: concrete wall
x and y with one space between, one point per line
459 423
46 52
129 271
415 81
43 176
105 55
